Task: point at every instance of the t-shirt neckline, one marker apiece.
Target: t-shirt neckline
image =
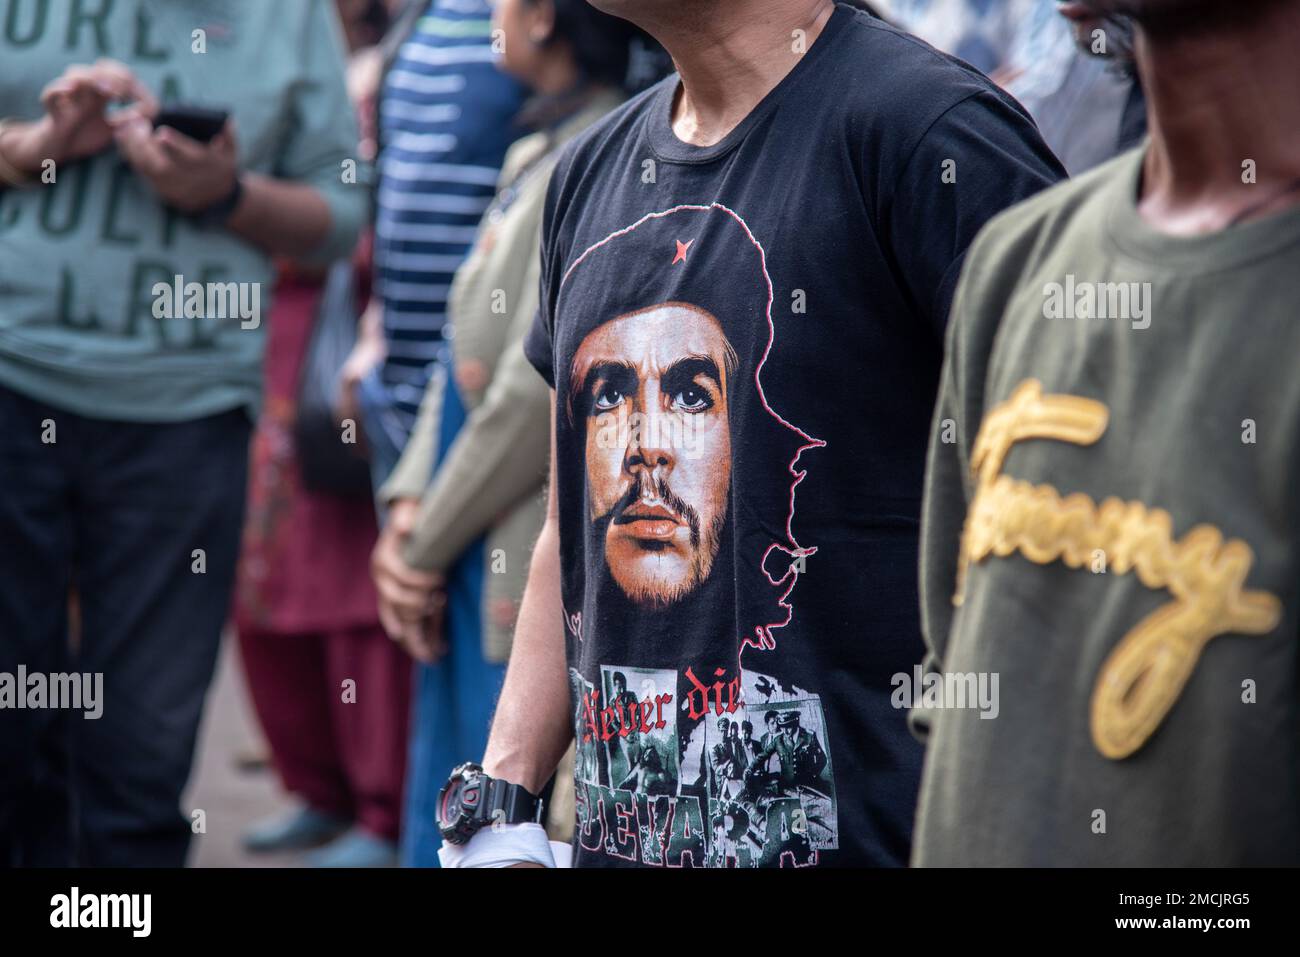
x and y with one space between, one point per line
1226 248
666 145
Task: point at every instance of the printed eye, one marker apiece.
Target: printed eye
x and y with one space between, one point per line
607 397
692 400
608 386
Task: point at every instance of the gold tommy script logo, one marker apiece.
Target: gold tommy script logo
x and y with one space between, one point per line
1146 672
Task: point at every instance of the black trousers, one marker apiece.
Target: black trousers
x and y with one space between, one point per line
143 522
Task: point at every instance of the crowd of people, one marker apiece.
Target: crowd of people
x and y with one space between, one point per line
646 392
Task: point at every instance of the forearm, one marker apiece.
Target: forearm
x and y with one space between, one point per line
280 217
532 728
25 146
410 477
496 461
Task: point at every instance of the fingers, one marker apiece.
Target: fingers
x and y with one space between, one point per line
412 594
388 619
156 152
406 634
408 604
74 94
178 147
434 637
424 646
409 578
93 87
405 575
140 148
409 635
226 141
128 114
126 86
114 81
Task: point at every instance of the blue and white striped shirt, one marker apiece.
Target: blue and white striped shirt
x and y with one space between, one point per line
446 120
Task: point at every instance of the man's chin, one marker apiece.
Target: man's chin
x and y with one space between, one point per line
654 576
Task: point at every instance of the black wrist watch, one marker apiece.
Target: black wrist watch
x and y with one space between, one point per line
470 800
222 209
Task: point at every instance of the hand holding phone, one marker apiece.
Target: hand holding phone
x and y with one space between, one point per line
196 122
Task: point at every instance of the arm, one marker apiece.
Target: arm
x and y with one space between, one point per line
370 350
943 513
305 208
764 752
980 156
282 217
410 477
496 459
532 729
975 313
75 124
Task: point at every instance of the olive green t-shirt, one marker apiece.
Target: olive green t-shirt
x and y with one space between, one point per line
84 325
1112 528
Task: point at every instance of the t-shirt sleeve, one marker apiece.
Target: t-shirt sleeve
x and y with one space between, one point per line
324 135
946 499
980 156
987 281
538 348
539 342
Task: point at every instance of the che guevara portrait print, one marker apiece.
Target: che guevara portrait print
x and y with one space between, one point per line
687 554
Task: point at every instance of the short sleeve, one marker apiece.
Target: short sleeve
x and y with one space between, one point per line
980 156
539 345
324 135
539 342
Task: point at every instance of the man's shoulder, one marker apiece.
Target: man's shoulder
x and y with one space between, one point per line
615 131
1014 248
609 147
897 80
1047 219
892 48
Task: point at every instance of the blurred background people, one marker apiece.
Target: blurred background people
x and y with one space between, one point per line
1075 74
1138 704
445 119
465 503
981 32
306 609
123 460
1070 68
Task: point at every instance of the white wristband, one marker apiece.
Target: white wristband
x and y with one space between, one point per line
501 846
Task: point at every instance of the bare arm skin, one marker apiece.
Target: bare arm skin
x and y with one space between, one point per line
532 728
280 217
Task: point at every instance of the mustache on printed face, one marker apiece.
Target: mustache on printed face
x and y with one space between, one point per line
653 501
636 505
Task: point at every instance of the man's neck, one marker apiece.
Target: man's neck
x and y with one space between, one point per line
730 54
1218 97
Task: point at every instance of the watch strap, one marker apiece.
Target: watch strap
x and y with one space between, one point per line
222 209
516 803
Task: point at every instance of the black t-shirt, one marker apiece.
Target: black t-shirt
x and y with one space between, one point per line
745 342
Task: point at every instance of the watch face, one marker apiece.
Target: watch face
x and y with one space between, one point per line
450 809
458 804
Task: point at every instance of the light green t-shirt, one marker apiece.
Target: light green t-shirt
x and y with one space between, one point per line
1112 497
82 324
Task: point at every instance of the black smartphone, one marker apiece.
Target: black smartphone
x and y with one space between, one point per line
196 122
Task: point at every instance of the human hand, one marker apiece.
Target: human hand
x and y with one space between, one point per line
411 602
76 123
185 173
